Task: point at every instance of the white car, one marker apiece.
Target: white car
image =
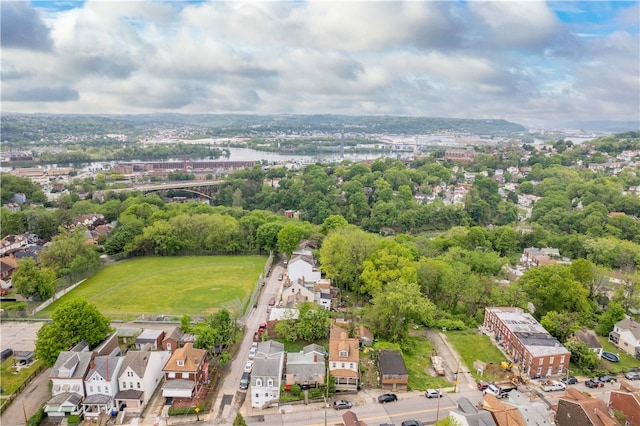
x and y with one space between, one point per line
252 353
432 393
248 366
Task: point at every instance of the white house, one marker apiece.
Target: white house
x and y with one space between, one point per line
302 267
266 374
139 377
67 383
101 385
296 295
626 336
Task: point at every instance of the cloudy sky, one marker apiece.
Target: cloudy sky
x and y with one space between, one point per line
535 63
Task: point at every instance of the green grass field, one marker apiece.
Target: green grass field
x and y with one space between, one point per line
472 346
193 285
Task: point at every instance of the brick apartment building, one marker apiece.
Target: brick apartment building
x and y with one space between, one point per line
527 342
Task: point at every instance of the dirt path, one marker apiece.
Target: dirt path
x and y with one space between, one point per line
452 363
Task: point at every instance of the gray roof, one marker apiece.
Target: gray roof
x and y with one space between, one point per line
98 399
267 367
105 367
137 360
77 363
589 337
631 325
472 415
269 349
391 362
174 334
179 384
128 331
305 367
70 397
129 394
149 335
313 348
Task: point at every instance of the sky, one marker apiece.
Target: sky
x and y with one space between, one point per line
540 64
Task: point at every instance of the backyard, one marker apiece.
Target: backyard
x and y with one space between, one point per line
172 286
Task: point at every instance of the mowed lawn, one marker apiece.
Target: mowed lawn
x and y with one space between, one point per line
168 285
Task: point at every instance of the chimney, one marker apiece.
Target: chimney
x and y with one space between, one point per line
92 365
315 358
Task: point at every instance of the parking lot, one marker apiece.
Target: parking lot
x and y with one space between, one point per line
19 335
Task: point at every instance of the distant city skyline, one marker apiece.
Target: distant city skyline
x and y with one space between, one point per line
539 64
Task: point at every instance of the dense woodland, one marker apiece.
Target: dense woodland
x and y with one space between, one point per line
405 263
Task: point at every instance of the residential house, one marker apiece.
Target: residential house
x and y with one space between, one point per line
576 408
171 340
364 335
468 415
8 266
108 346
464 156
67 383
518 411
532 257
12 207
139 377
393 371
101 386
12 243
626 336
185 372
296 295
344 359
266 375
306 367
589 338
627 401
526 341
90 221
322 292
149 340
302 268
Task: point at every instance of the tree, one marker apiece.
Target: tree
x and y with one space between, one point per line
614 313
70 253
394 309
390 262
560 324
71 323
185 323
289 238
313 322
239 420
332 223
581 355
30 281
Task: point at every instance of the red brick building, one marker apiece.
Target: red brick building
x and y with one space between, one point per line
530 346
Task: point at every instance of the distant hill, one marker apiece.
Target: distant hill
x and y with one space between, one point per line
605 126
19 126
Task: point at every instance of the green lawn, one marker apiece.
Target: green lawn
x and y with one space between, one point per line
626 361
168 285
472 346
11 380
416 352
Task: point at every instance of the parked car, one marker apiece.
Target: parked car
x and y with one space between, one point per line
432 393
272 301
280 277
411 423
387 397
610 356
482 385
244 380
262 327
632 375
341 404
248 366
594 383
569 380
252 353
607 378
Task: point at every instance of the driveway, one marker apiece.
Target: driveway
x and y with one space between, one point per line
454 366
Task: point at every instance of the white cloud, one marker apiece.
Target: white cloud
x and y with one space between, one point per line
512 60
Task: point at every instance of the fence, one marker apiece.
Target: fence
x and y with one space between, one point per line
7 401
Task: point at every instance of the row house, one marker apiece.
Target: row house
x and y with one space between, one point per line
527 342
101 386
67 383
12 243
185 373
141 374
302 267
344 359
306 368
266 374
577 408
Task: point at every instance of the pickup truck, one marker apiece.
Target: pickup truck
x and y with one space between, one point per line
552 385
500 390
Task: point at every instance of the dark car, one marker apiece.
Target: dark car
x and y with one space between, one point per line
593 383
607 378
341 404
244 381
411 423
387 397
610 356
482 385
569 380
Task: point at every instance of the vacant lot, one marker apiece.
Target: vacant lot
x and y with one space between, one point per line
168 285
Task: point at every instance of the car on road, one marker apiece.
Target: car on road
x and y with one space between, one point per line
262 327
632 375
252 353
482 386
387 397
280 277
341 404
593 383
244 380
432 393
607 378
569 380
411 423
272 301
610 356
248 366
